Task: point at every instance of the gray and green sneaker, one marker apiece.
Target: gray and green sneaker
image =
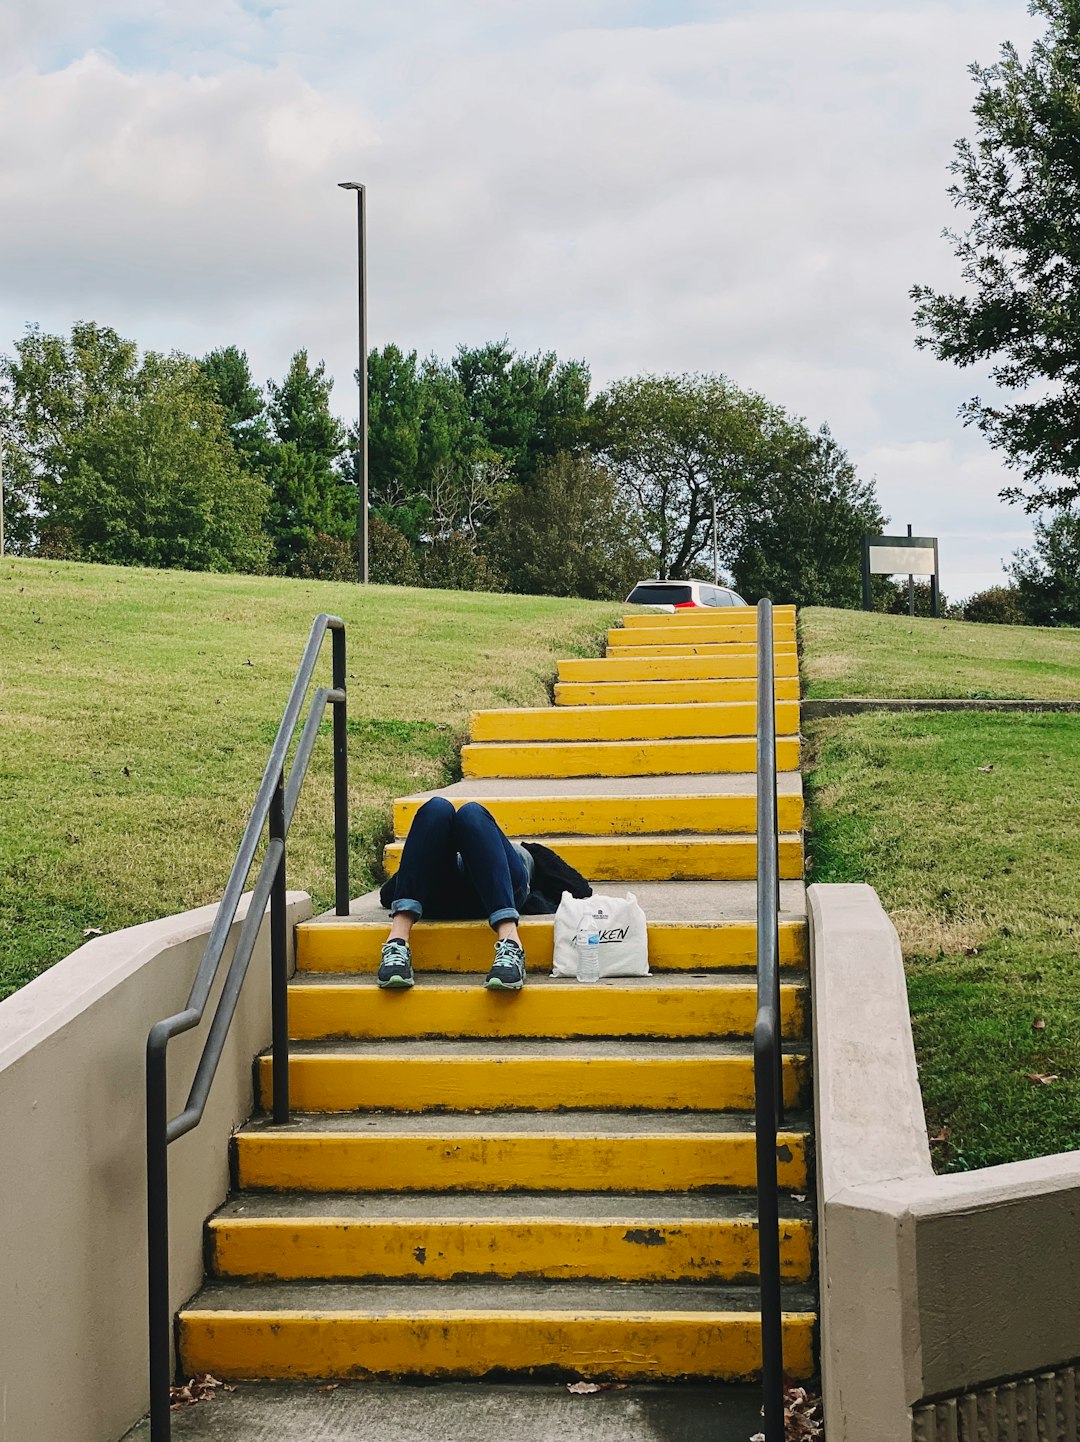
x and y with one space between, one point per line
395 969
508 969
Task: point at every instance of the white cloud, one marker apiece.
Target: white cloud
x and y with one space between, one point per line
754 192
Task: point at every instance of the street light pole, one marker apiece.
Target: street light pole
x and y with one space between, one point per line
362 433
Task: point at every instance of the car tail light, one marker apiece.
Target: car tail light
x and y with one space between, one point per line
685 605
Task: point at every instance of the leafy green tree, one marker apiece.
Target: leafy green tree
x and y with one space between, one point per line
241 400
309 494
526 407
798 534
1048 575
996 606
568 533
676 443
51 390
1021 306
156 482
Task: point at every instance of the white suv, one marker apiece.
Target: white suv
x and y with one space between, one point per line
681 595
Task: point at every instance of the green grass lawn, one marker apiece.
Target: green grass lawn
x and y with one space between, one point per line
966 824
137 710
851 653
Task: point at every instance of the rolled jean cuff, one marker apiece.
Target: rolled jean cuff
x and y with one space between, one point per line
505 913
406 903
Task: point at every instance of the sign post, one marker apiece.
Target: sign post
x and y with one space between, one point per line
901 555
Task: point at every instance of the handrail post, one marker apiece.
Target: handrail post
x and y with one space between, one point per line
768 1047
279 961
159 1308
772 1334
341 778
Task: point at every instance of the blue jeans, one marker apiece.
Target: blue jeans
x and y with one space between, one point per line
490 879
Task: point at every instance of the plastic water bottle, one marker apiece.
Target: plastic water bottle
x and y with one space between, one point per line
588 942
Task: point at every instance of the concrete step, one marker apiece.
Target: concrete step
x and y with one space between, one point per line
617 806
644 693
525 1075
441 1005
619 636
699 927
620 758
447 1237
632 1331
711 666
709 616
623 860
629 723
513 1151
478 1411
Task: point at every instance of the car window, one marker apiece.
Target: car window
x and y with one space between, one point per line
657 593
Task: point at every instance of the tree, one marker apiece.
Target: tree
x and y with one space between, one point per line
1048 575
525 407
1019 259
309 494
798 534
241 400
676 443
996 606
568 533
51 390
156 482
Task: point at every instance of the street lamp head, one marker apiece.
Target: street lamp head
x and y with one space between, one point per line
349 185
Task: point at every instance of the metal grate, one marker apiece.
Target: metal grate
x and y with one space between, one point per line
1045 1408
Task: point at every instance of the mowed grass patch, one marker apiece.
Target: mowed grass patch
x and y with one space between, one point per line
854 653
137 710
966 826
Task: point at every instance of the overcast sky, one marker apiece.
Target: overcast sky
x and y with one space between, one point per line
746 186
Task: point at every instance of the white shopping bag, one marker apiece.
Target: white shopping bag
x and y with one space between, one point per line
613 925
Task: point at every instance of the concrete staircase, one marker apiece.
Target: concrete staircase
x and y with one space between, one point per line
557 1182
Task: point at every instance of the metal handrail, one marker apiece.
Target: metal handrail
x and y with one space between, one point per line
274 807
768 1041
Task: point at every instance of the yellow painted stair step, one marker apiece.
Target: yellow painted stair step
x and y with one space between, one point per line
619 636
302 1345
629 723
555 1076
621 758
645 693
710 813
629 1249
707 616
466 946
627 859
710 667
785 658
497 1159
554 1008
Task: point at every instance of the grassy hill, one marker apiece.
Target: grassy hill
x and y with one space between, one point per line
965 823
137 710
851 653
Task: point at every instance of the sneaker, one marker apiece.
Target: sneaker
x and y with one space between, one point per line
508 969
395 969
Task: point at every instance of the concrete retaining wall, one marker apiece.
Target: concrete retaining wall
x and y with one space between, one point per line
73 1169
931 1287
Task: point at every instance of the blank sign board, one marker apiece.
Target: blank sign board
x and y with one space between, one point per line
901 556
903 559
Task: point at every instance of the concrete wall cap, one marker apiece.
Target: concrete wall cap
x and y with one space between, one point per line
56 997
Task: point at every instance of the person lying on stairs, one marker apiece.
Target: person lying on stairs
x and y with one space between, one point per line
457 865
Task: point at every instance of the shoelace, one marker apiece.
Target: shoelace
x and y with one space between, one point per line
509 951
396 951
